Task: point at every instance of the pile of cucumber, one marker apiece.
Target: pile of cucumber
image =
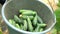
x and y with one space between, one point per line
28 20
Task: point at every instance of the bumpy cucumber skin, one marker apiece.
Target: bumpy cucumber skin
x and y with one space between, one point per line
30 27
17 19
35 21
25 25
29 13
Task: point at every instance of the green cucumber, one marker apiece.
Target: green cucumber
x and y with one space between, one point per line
17 19
39 19
21 27
41 29
35 21
42 25
25 17
29 13
37 29
25 25
30 27
21 11
12 22
17 26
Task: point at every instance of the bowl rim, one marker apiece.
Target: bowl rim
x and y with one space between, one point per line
7 22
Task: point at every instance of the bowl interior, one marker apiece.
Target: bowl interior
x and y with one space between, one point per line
13 7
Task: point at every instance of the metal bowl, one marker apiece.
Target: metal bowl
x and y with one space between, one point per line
11 8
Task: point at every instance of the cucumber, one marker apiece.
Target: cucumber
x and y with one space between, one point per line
17 19
41 29
39 19
30 27
35 21
12 22
25 17
21 11
21 27
42 25
25 25
17 26
28 13
37 29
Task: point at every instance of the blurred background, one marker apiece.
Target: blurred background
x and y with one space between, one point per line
54 4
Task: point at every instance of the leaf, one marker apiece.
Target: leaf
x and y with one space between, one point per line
58 3
57 12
